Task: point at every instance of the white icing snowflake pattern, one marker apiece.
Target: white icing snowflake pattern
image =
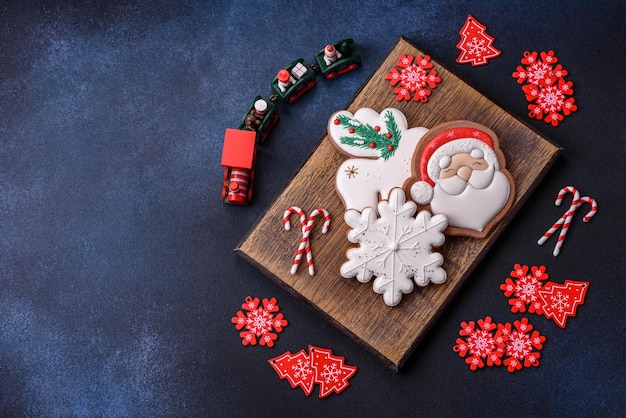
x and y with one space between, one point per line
395 247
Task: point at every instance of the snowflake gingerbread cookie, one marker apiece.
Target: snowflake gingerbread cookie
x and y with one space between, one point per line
460 171
383 146
395 247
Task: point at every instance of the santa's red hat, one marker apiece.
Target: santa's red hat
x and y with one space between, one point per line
437 153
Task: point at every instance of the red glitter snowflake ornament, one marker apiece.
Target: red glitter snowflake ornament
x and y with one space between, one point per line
481 344
475 44
522 347
413 78
259 322
499 344
523 288
544 85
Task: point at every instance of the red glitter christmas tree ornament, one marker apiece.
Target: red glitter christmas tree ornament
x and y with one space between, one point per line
331 372
561 300
318 366
296 368
476 45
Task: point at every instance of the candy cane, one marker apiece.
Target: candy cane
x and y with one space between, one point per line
566 219
325 226
563 218
303 221
594 207
304 242
294 210
564 191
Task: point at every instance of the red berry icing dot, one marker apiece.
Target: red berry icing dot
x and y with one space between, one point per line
336 121
372 144
390 147
377 128
388 135
351 130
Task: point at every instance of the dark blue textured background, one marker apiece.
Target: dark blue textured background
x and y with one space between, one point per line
117 275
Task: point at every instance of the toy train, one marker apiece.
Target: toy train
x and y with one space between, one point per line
298 77
260 117
291 82
338 59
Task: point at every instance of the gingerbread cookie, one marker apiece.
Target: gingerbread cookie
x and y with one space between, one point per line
384 144
396 247
459 170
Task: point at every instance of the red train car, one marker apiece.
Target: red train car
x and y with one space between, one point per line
238 160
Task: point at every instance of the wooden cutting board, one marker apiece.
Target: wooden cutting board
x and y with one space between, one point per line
389 333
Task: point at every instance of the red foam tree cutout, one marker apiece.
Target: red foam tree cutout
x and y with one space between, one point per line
476 45
560 301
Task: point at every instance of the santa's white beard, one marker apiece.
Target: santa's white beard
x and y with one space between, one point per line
471 207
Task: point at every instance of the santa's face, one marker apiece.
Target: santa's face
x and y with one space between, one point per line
462 169
462 164
469 190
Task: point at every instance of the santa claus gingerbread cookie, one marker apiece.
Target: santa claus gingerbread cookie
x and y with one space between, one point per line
459 171
383 146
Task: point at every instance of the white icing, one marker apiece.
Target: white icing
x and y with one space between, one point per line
462 145
421 192
445 161
473 208
360 181
395 247
477 153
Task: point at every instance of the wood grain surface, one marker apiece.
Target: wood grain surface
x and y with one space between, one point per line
389 333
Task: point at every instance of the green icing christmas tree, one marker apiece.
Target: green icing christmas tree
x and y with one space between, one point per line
363 135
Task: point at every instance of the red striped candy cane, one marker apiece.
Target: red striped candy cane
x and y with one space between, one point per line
566 219
594 207
564 229
309 254
294 210
564 191
563 219
304 242
303 221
